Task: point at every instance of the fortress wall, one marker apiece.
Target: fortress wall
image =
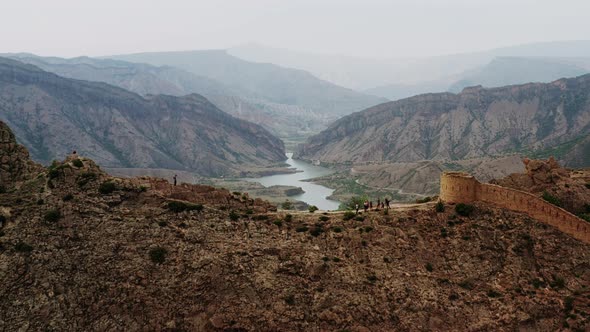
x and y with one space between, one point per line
454 185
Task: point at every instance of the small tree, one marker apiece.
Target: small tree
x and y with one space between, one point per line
52 216
158 255
287 205
107 188
313 209
440 206
463 209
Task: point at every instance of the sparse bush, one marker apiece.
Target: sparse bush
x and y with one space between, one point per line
77 163
551 199
463 209
260 217
40 201
287 205
249 211
316 231
385 212
368 229
142 189
466 284
107 188
158 255
313 209
22 247
288 218
86 177
359 218
348 215
67 197
588 185
2 189
290 300
364 243
2 233
279 223
178 206
423 200
439 207
443 232
372 278
162 224
335 259
324 218
568 304
2 219
53 173
557 283
52 216
237 193
301 229
234 216
337 229
325 258
428 267
493 294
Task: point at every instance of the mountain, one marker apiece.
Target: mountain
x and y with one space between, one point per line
513 70
394 76
290 122
477 122
84 251
52 116
263 80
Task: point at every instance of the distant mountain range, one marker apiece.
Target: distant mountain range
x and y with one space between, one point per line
533 119
53 115
397 78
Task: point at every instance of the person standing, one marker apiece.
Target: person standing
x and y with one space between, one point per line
174 177
366 206
357 208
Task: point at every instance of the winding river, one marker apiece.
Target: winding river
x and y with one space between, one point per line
314 194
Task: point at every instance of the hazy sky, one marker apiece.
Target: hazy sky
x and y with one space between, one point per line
377 28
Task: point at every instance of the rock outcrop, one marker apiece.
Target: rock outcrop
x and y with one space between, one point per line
15 164
478 122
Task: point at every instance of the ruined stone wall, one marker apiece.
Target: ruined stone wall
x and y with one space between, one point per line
454 185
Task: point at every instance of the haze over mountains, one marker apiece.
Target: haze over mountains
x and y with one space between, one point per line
52 116
396 78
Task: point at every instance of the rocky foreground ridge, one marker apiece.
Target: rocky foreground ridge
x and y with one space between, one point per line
536 118
80 251
53 115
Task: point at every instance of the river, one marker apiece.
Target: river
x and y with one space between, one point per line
314 194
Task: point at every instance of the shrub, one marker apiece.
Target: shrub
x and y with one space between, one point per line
162 224
439 207
249 211
107 188
288 218
237 193
372 278
443 232
279 223
493 294
290 300
364 243
423 200
78 163
142 189
337 229
588 185
86 177
359 218
260 217
40 201
53 173
551 199
313 209
348 215
2 219
368 229
463 209
52 216
585 216
558 283
325 258
335 259
68 197
466 284
316 231
287 205
428 267
324 218
301 229
178 206
2 189
158 255
234 216
22 247
568 304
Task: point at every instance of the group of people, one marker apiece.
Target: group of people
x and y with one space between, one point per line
368 205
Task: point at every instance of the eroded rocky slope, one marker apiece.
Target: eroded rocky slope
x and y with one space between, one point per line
477 122
52 116
77 254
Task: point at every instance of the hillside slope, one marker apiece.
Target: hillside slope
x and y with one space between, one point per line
77 257
265 80
475 123
52 116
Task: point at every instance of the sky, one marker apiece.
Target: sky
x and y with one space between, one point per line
368 28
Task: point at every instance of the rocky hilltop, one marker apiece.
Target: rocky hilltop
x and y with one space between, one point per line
478 122
81 250
52 116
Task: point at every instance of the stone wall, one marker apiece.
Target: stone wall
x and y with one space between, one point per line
457 187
